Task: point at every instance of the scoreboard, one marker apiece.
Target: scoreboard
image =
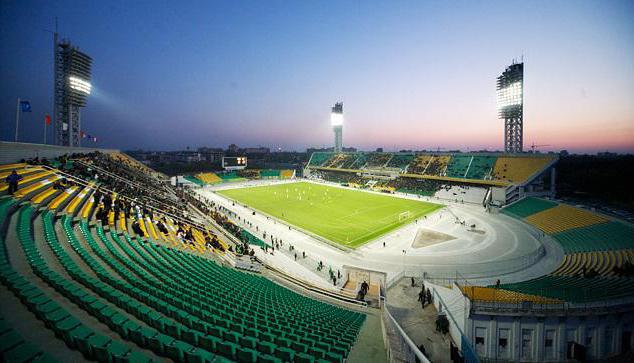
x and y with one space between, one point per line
234 162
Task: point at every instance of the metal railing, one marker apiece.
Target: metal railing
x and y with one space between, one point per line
401 344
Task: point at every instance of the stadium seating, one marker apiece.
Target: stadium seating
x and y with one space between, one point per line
458 166
319 158
528 206
437 164
613 235
518 169
287 174
482 293
400 161
481 167
230 176
574 288
601 263
562 218
377 160
270 173
194 180
419 164
359 161
209 178
151 297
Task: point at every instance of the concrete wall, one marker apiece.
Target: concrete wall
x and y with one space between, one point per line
13 152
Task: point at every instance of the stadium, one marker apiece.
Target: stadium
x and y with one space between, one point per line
329 255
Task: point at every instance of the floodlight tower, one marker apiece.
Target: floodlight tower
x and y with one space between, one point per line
336 120
510 100
72 87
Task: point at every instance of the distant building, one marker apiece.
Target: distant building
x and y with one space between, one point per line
256 150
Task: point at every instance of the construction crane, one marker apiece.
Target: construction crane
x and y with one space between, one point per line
533 146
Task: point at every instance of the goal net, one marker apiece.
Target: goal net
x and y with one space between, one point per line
403 216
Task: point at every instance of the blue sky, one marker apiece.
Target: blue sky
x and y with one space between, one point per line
419 74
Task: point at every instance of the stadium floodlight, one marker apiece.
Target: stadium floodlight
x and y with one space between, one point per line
510 105
80 85
510 96
336 119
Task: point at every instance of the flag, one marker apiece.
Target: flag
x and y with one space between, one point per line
47 119
25 106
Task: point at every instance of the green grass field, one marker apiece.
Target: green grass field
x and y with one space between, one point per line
344 216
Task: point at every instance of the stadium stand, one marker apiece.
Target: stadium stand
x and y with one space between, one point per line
612 235
562 218
287 174
437 164
400 161
270 173
458 166
491 294
319 158
209 178
528 206
150 297
377 160
194 180
481 167
230 176
597 264
419 164
518 169
601 263
574 288
423 187
359 161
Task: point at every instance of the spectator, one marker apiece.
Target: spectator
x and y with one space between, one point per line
13 179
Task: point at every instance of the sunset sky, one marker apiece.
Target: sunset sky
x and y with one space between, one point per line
413 75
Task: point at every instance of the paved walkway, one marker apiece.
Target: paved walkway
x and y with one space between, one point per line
419 324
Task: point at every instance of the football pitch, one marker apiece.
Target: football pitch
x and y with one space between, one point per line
347 217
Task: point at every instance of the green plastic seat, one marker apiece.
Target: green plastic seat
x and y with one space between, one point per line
110 352
133 356
266 347
227 349
199 356
158 342
269 359
246 355
21 353
94 343
304 358
285 354
176 350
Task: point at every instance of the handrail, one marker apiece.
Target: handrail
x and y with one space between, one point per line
141 186
313 288
87 184
403 335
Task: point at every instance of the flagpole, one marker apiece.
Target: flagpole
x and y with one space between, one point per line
17 119
45 126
